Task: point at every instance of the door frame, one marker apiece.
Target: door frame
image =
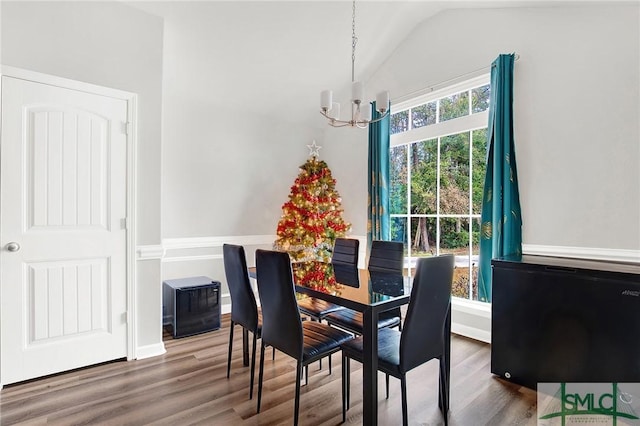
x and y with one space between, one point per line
131 133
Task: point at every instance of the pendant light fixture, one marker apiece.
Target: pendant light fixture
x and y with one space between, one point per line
360 110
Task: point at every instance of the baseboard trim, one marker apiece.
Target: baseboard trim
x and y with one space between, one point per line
471 332
149 351
476 315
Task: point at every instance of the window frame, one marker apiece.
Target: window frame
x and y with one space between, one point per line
465 124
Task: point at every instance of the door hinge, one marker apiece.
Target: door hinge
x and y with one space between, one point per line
124 223
126 127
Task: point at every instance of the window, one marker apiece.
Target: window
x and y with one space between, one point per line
437 168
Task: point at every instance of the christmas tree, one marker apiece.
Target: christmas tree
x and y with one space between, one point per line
311 221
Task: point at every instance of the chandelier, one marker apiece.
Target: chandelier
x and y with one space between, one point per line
360 112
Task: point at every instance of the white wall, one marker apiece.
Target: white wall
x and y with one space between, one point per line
576 107
224 171
112 45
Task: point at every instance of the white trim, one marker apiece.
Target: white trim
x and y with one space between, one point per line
150 252
616 255
471 332
473 307
440 90
192 258
204 242
477 309
149 351
132 116
444 128
132 288
65 83
225 308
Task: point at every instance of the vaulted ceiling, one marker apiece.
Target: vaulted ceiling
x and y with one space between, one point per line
274 57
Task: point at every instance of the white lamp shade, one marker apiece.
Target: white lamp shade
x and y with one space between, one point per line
357 91
382 101
365 111
334 112
326 97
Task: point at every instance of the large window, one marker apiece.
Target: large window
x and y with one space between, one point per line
438 154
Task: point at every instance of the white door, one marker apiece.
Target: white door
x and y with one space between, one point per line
63 195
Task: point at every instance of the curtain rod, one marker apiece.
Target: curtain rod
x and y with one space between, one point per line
433 87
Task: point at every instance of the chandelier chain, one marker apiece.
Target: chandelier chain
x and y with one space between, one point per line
354 40
360 108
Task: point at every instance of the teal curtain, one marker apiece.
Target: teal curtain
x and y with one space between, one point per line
378 219
501 223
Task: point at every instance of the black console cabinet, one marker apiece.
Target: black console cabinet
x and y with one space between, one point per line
565 320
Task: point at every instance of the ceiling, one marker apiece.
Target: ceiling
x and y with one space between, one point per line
274 57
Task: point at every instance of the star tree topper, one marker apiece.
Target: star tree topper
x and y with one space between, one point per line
314 150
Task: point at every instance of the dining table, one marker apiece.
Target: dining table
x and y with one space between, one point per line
370 293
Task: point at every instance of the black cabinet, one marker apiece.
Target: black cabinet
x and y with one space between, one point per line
565 320
193 305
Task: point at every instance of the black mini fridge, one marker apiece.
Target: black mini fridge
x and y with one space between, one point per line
565 320
193 305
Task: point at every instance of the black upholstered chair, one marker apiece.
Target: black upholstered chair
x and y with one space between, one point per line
244 309
385 256
426 334
282 327
345 252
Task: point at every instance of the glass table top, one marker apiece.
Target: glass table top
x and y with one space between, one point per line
350 283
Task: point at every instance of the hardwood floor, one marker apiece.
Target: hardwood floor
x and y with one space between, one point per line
188 385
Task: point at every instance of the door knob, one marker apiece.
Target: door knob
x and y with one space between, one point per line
13 246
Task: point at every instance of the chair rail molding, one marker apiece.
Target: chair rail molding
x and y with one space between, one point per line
205 242
149 252
592 253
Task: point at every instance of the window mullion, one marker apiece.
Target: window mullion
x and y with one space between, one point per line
408 207
438 199
470 223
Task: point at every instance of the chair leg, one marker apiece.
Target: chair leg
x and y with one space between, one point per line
348 381
330 364
306 375
344 384
297 403
253 364
403 385
443 392
273 353
317 319
260 375
230 348
387 384
245 347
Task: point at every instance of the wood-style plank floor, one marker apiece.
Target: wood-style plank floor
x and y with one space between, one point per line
188 385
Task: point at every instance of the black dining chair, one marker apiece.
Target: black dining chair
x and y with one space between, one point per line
282 326
385 257
244 309
345 252
426 334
